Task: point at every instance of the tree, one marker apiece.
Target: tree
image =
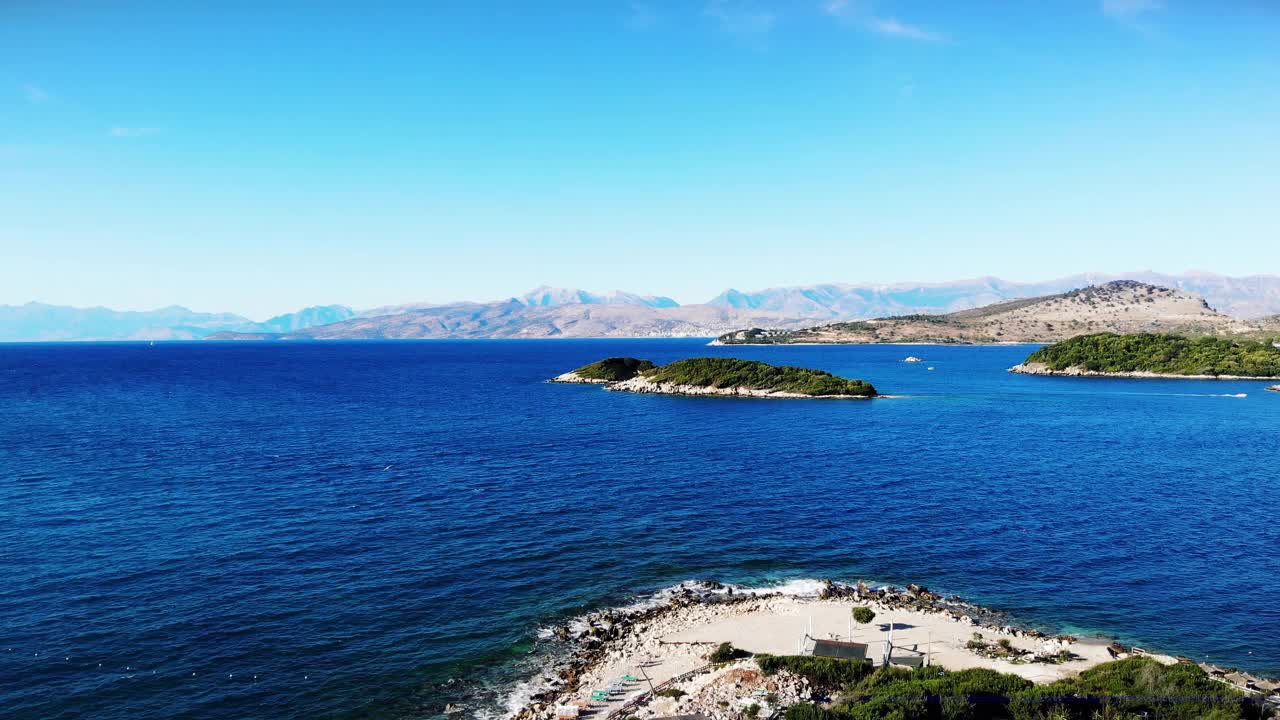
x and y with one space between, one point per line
863 615
724 653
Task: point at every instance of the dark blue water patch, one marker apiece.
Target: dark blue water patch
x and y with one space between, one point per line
340 529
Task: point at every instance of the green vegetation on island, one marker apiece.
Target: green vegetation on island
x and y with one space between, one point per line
709 372
1160 354
717 374
1124 689
614 369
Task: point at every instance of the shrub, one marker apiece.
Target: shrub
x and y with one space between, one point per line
806 711
726 652
671 692
863 615
824 673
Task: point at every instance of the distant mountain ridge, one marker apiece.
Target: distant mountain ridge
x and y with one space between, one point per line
1119 306
567 312
545 296
39 322
513 319
1248 297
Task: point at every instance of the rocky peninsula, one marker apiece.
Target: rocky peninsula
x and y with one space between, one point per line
1155 356
727 377
720 652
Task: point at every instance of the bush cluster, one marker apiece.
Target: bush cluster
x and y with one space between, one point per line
827 674
1122 690
614 369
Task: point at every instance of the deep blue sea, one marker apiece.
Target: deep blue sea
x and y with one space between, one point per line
370 530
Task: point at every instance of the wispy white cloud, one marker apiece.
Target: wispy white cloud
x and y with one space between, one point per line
640 16
740 18
1129 8
132 132
859 13
36 94
896 28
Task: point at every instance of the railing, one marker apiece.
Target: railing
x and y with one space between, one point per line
645 696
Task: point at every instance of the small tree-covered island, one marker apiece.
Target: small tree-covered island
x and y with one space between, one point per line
1155 355
717 376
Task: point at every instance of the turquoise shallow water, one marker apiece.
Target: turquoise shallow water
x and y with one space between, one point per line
375 529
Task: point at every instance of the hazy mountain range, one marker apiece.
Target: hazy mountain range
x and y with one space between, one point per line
560 312
1244 297
1119 306
38 322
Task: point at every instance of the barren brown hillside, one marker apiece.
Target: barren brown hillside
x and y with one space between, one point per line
1123 306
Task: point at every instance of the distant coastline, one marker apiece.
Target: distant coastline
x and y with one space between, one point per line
1034 368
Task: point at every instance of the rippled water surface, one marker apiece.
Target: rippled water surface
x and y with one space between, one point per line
374 529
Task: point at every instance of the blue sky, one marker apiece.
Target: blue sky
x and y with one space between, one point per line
231 156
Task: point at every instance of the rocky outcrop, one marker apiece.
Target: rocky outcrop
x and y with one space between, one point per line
574 377
600 639
1033 368
595 637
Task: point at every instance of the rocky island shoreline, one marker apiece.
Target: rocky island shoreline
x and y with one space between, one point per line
1150 355
725 377
714 650
1031 368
